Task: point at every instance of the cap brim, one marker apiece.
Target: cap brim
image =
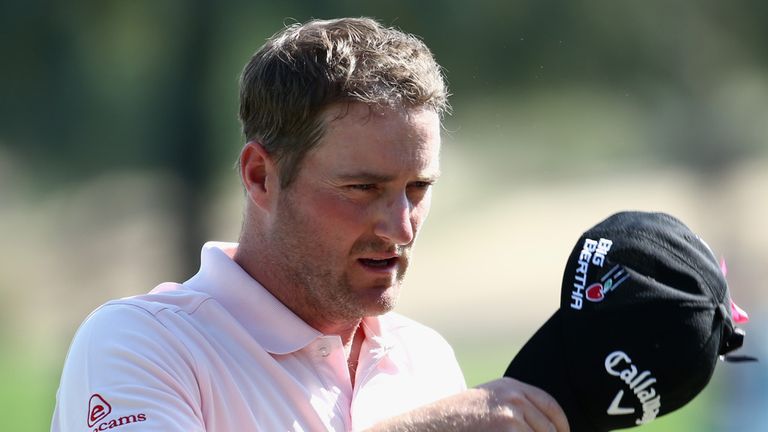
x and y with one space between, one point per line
541 363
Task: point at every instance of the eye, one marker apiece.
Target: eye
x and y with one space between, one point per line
420 185
362 187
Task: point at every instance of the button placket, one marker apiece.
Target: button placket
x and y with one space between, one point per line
329 355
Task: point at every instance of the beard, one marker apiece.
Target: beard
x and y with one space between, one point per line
317 269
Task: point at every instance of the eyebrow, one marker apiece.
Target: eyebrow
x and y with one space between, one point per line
371 177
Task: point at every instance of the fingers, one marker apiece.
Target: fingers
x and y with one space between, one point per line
548 407
537 421
528 407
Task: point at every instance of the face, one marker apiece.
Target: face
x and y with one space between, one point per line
343 230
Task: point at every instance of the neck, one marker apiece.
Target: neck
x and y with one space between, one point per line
348 332
259 265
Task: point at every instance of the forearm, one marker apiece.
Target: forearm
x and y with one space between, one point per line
462 412
500 405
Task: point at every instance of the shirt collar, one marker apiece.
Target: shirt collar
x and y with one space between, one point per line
379 341
269 321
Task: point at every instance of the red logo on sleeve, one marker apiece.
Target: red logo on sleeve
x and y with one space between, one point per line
98 408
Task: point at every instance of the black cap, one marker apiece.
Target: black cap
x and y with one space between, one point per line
644 314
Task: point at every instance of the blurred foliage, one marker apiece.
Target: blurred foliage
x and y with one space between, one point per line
88 86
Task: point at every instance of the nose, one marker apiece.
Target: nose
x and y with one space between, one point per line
395 223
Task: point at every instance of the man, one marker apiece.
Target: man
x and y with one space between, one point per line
291 328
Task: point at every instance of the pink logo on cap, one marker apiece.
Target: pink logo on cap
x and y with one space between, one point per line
739 315
595 293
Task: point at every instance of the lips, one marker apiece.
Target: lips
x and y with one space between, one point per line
383 264
379 261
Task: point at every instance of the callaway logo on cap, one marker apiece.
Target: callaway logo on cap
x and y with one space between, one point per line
644 314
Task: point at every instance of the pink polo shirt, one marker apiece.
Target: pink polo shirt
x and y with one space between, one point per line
220 353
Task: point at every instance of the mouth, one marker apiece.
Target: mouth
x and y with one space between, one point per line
382 264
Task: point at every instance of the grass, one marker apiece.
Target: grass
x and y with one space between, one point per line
28 392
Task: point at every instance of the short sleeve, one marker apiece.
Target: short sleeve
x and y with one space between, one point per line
126 369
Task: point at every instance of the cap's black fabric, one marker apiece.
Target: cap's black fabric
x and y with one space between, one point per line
644 314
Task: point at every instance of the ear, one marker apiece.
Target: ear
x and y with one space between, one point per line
258 173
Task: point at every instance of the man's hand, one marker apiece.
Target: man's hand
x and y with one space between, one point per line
501 405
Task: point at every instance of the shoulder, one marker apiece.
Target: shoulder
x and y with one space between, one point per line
133 353
148 326
171 297
147 309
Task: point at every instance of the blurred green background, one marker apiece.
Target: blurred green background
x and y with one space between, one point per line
118 134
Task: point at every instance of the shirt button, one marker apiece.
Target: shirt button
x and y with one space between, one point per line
324 351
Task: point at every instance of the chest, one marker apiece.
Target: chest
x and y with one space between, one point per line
245 387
